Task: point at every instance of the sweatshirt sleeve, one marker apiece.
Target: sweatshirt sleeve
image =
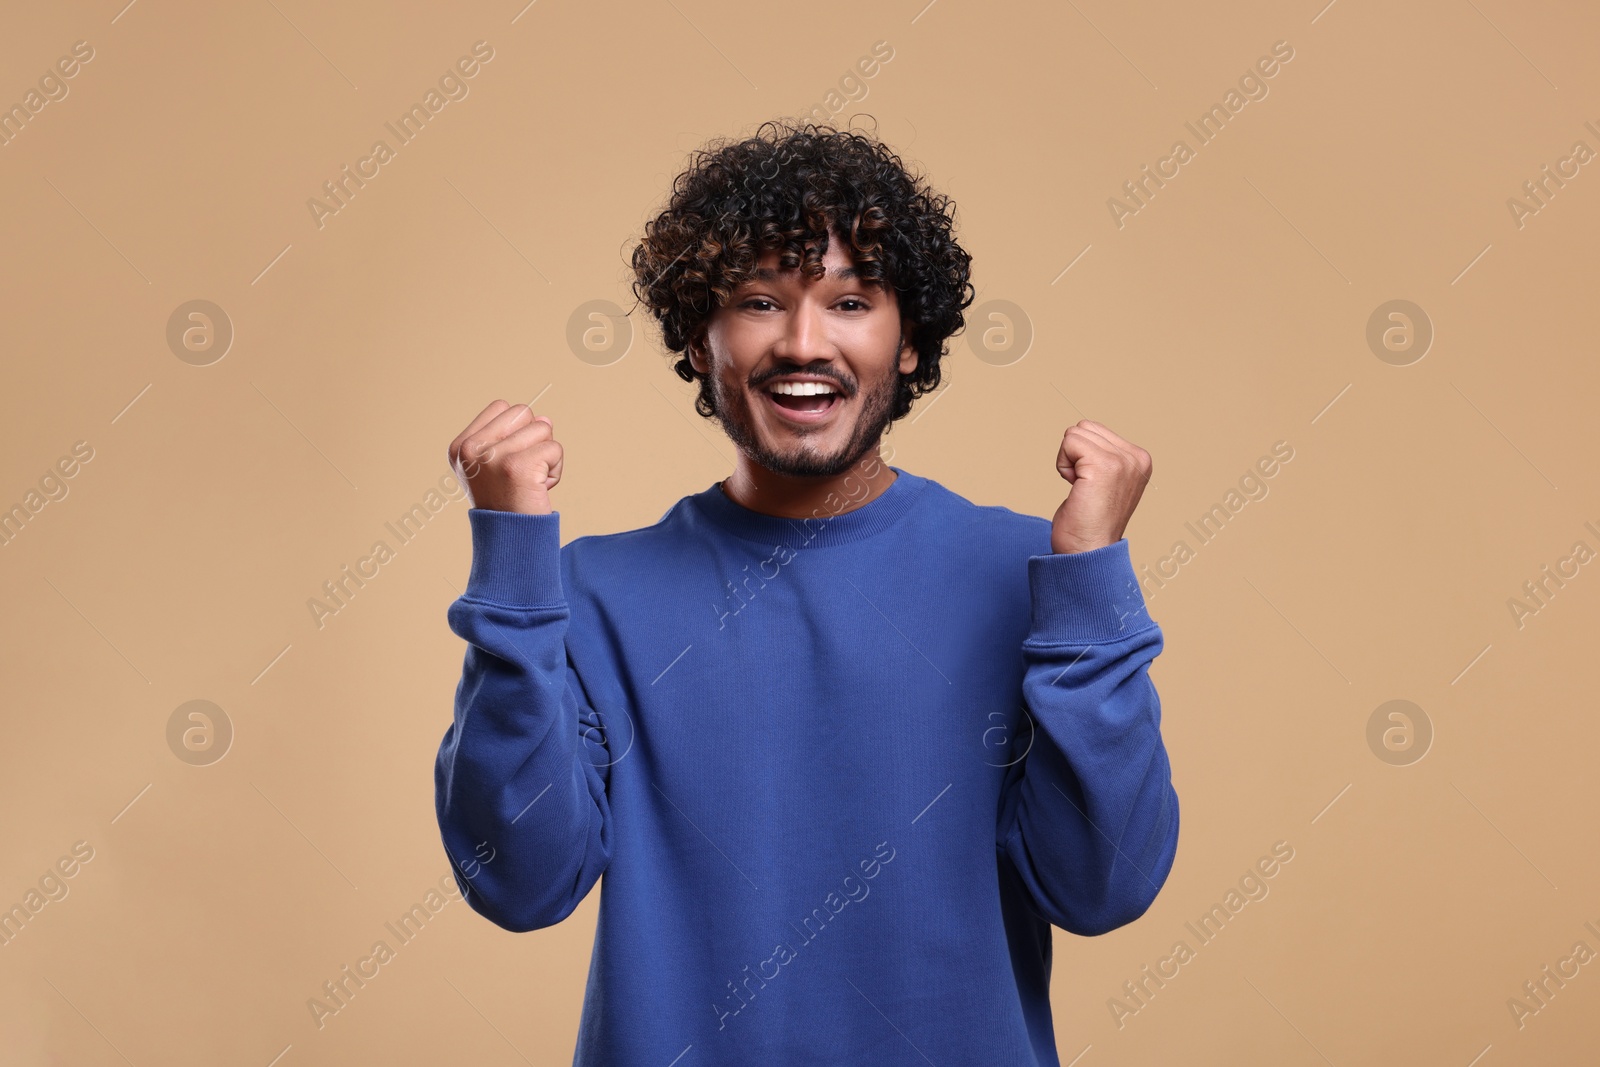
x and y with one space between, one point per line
1088 816
520 780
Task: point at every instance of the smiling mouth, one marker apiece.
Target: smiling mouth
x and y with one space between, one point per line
805 405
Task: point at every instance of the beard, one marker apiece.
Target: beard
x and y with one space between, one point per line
733 412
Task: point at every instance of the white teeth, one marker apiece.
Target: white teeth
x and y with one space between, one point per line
801 388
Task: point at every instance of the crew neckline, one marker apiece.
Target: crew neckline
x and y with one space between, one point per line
823 529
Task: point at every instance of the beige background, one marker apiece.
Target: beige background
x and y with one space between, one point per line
1228 314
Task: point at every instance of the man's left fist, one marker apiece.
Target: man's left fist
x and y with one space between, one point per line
1108 475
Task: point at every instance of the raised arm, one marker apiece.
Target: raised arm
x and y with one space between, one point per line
1089 817
520 781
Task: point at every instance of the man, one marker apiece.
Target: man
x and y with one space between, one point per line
843 744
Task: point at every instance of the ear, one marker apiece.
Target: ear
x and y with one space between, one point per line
908 353
697 355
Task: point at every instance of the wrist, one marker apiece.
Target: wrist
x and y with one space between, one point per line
1085 597
1065 545
516 558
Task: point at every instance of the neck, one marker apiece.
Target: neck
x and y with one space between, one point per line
770 493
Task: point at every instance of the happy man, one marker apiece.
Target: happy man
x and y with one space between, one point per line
844 744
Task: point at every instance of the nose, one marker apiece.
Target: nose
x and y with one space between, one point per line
804 339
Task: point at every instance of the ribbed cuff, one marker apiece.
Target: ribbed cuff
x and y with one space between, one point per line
1085 597
516 558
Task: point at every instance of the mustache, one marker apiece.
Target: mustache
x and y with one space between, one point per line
847 389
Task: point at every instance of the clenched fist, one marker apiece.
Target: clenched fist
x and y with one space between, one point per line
508 459
1108 475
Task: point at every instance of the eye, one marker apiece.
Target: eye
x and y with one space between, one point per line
858 302
756 300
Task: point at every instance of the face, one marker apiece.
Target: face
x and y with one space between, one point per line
840 332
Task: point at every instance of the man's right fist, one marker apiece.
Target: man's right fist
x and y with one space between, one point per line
508 459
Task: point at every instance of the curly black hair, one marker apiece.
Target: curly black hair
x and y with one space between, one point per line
786 188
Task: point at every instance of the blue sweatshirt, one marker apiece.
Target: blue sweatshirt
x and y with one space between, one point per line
841 774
